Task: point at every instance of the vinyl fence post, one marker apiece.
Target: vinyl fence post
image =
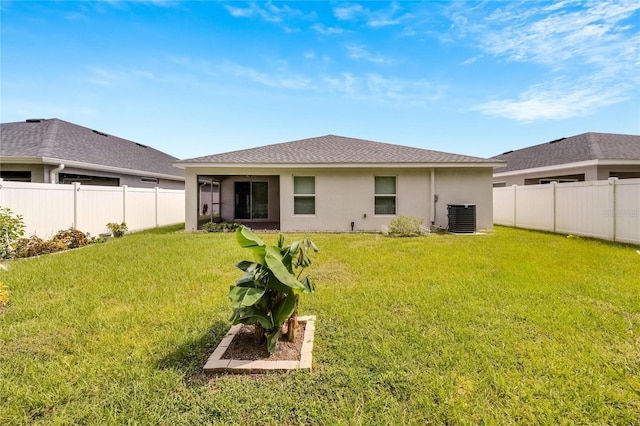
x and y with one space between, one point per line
157 193
612 209
76 204
515 205
124 203
553 204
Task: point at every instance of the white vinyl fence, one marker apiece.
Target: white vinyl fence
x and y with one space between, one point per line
607 209
48 208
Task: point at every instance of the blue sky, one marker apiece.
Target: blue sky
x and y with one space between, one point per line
201 77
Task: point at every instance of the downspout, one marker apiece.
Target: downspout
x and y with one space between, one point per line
434 195
53 174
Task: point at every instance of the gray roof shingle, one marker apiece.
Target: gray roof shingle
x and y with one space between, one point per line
58 139
583 147
331 149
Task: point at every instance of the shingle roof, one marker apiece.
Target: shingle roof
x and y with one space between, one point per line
58 139
331 149
583 147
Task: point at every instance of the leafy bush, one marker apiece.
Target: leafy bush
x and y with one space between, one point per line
36 246
72 238
220 227
266 296
117 229
4 295
11 229
405 226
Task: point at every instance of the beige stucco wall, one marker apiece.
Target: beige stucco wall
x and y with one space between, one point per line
37 170
40 174
590 173
465 186
345 195
227 202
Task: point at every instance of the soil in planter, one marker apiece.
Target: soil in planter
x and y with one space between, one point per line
245 346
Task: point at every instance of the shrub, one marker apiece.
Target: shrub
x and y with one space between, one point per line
117 229
36 246
220 227
405 226
4 295
11 229
266 296
72 238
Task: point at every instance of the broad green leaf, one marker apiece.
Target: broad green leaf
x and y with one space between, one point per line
272 340
273 259
245 265
247 239
247 281
284 308
244 296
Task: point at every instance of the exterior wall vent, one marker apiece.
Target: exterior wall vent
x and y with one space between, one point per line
462 218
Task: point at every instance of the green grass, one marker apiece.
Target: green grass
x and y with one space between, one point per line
514 327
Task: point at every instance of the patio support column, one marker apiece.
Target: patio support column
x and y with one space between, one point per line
191 201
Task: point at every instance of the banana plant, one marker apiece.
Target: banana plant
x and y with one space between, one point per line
266 295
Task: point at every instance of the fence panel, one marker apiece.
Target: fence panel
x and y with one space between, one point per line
140 209
48 208
627 212
581 209
45 208
504 206
170 206
601 209
534 207
97 206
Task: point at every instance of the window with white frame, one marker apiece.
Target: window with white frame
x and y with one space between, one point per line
304 195
385 195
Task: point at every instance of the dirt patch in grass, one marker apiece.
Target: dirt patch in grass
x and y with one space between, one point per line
245 346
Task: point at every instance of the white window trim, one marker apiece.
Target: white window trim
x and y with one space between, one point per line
304 195
395 196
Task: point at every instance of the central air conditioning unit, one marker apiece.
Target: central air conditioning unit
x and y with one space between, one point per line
462 218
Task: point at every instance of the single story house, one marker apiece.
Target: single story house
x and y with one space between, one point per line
585 157
56 151
335 183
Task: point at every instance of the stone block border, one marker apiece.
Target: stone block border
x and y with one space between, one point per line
215 363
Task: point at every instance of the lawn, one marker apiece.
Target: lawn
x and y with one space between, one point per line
513 327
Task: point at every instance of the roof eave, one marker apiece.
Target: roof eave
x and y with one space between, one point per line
469 164
81 165
564 166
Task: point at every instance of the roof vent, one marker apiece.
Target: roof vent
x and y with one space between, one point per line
508 152
34 120
139 144
100 133
557 140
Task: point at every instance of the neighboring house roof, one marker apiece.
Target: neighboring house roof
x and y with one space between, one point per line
580 148
52 141
333 150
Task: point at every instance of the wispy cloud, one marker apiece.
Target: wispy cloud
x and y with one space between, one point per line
323 29
267 12
392 15
380 89
276 79
590 54
557 100
359 52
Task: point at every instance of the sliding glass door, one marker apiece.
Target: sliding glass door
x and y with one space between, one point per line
251 200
